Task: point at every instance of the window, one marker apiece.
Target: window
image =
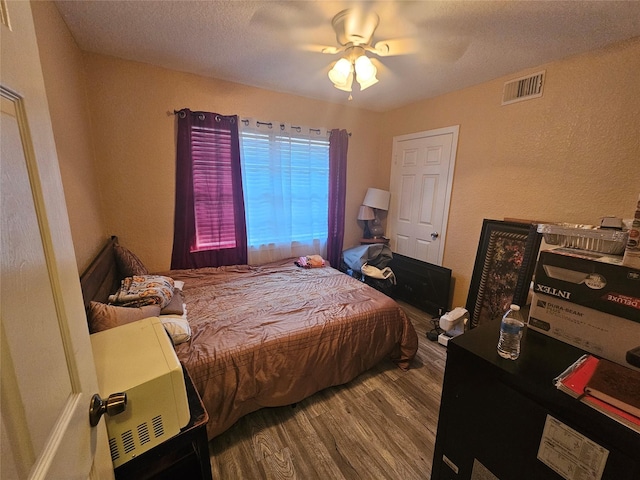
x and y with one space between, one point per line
277 178
285 175
209 225
212 189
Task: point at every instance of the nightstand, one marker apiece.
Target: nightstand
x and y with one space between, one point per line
371 241
185 456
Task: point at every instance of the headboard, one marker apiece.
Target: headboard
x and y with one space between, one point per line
101 278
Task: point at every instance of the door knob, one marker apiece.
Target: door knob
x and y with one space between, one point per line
115 404
435 235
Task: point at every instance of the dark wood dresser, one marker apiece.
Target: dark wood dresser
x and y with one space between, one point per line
494 411
421 284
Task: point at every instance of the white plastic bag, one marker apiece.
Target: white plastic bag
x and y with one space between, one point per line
374 272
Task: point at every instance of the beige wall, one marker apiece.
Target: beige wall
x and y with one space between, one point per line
571 156
135 143
62 67
565 157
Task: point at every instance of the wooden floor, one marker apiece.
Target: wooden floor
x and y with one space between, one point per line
381 425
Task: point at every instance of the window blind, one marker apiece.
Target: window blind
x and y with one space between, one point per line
212 189
286 187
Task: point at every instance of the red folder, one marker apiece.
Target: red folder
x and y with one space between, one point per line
573 382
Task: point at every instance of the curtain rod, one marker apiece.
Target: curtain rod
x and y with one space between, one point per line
269 124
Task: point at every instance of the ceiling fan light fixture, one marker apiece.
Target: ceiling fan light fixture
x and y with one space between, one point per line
346 86
365 70
354 29
366 84
340 72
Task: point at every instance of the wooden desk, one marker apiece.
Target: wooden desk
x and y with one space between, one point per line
185 456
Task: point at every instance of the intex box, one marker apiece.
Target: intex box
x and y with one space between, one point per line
590 279
596 332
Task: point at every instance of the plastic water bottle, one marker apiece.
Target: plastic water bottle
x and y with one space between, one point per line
511 329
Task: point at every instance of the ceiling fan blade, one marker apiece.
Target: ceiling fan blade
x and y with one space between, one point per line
381 67
445 51
328 49
396 46
288 14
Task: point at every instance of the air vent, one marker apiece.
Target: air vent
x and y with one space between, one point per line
143 433
158 426
132 442
523 88
128 442
113 447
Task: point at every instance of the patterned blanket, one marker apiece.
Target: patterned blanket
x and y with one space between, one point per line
144 290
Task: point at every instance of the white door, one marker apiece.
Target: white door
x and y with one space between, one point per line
48 375
421 181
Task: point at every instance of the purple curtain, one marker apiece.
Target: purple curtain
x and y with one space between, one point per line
193 128
338 145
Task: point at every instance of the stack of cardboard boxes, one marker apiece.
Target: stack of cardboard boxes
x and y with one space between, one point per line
589 300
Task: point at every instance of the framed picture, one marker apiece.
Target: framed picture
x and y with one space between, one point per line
503 269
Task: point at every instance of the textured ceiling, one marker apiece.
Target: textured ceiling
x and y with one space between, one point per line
274 44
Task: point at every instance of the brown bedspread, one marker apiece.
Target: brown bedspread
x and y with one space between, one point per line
273 335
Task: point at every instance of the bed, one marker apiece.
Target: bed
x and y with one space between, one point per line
272 335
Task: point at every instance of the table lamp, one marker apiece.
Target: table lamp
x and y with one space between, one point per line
378 200
365 214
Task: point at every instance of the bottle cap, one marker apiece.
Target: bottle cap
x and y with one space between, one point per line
514 307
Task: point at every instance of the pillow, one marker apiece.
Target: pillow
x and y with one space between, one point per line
177 327
175 306
128 263
103 316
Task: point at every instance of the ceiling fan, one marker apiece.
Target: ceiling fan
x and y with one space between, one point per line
430 35
354 29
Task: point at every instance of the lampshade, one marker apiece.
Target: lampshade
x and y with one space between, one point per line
376 198
365 72
365 213
346 86
364 85
341 74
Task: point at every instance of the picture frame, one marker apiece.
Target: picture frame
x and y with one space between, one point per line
503 269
